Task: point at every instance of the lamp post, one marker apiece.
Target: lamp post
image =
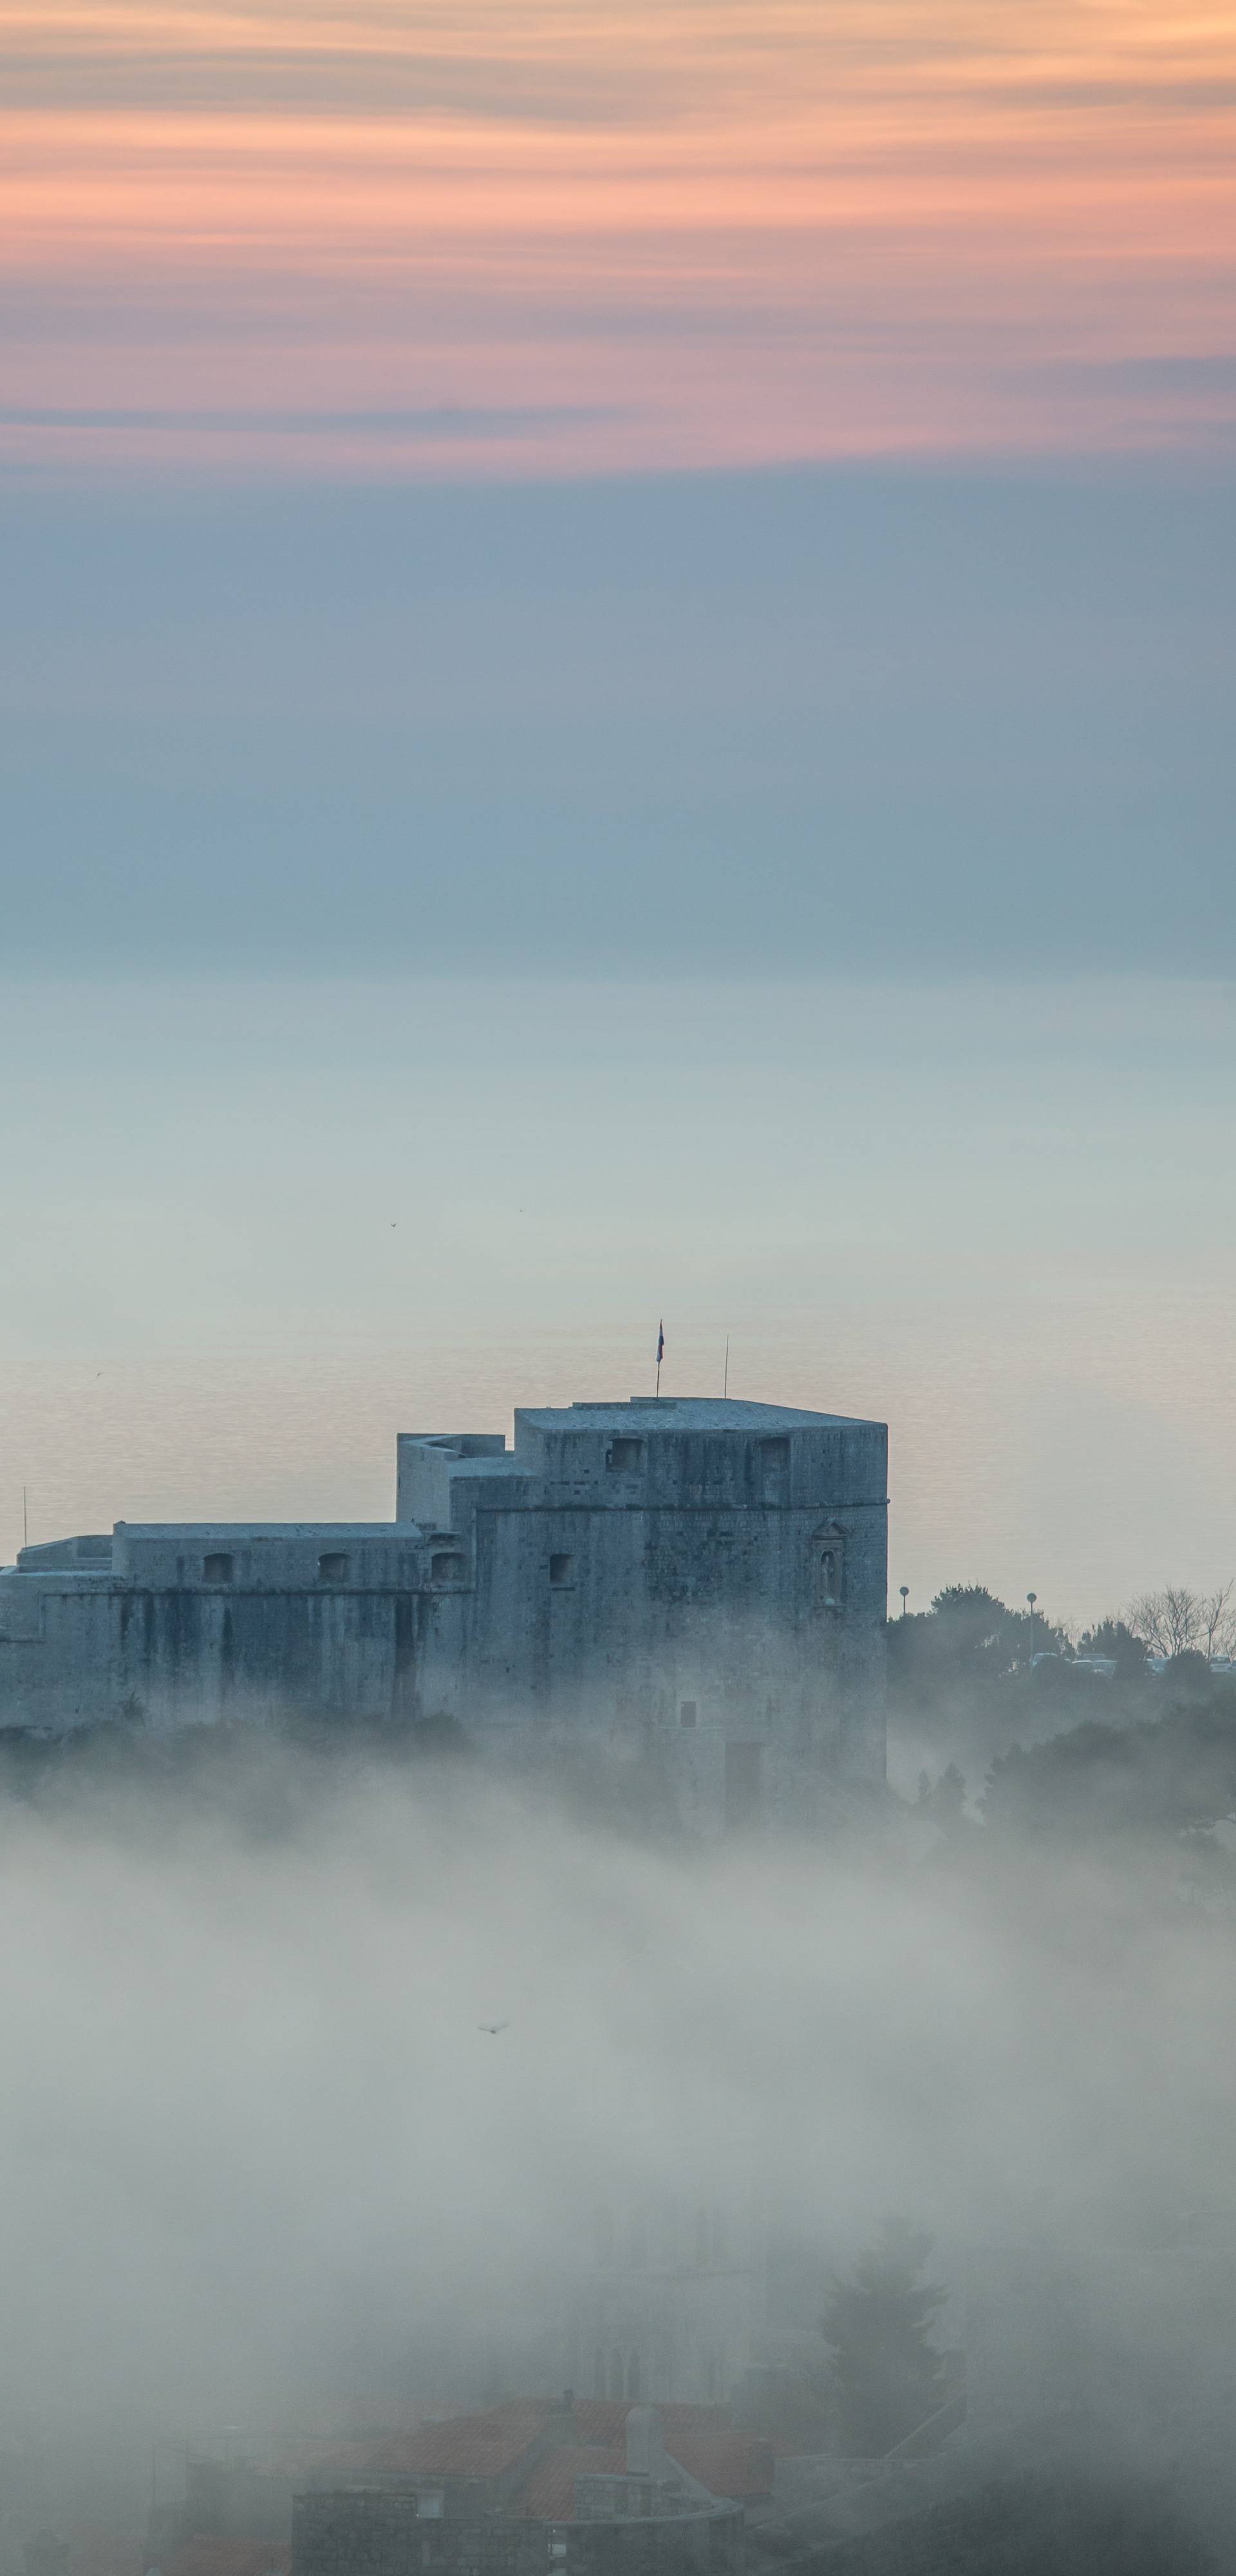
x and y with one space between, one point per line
1032 1597
904 1590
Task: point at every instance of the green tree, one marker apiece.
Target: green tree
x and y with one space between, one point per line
877 2323
1173 1776
1113 1638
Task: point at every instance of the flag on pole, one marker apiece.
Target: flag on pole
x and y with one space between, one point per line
660 1343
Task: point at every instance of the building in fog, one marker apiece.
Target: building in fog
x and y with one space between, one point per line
697 1581
590 2490
513 2490
671 2303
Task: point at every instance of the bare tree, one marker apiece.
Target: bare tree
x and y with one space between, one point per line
1171 1622
1218 1618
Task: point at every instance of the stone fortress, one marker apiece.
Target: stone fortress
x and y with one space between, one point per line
700 1581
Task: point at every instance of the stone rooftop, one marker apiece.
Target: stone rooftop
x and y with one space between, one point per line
687 1413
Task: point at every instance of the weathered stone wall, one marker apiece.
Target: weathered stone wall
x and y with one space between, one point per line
189 1657
364 2533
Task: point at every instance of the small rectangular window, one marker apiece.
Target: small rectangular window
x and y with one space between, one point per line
447 1568
334 1568
688 1712
560 1571
625 1456
429 2504
217 1569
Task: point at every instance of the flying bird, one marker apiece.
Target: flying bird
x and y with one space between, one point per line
492 2028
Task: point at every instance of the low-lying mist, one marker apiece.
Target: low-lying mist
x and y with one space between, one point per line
262 2160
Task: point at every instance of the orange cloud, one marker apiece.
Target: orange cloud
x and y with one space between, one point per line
721 231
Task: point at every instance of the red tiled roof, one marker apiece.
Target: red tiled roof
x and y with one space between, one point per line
700 2438
549 2494
468 2446
728 2464
347 2449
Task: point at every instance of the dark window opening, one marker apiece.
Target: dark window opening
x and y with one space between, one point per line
830 1578
688 1712
217 1569
447 1567
560 1570
625 1455
742 1783
775 1470
333 1568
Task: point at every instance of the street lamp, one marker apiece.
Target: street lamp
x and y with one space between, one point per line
1032 1597
904 1589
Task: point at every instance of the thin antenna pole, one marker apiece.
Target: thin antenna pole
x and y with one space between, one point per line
726 1388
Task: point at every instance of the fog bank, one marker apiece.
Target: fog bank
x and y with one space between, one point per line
261 2158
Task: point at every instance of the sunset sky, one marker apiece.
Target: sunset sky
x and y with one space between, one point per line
499 237
616 692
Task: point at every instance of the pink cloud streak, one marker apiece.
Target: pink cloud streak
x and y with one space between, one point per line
614 238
